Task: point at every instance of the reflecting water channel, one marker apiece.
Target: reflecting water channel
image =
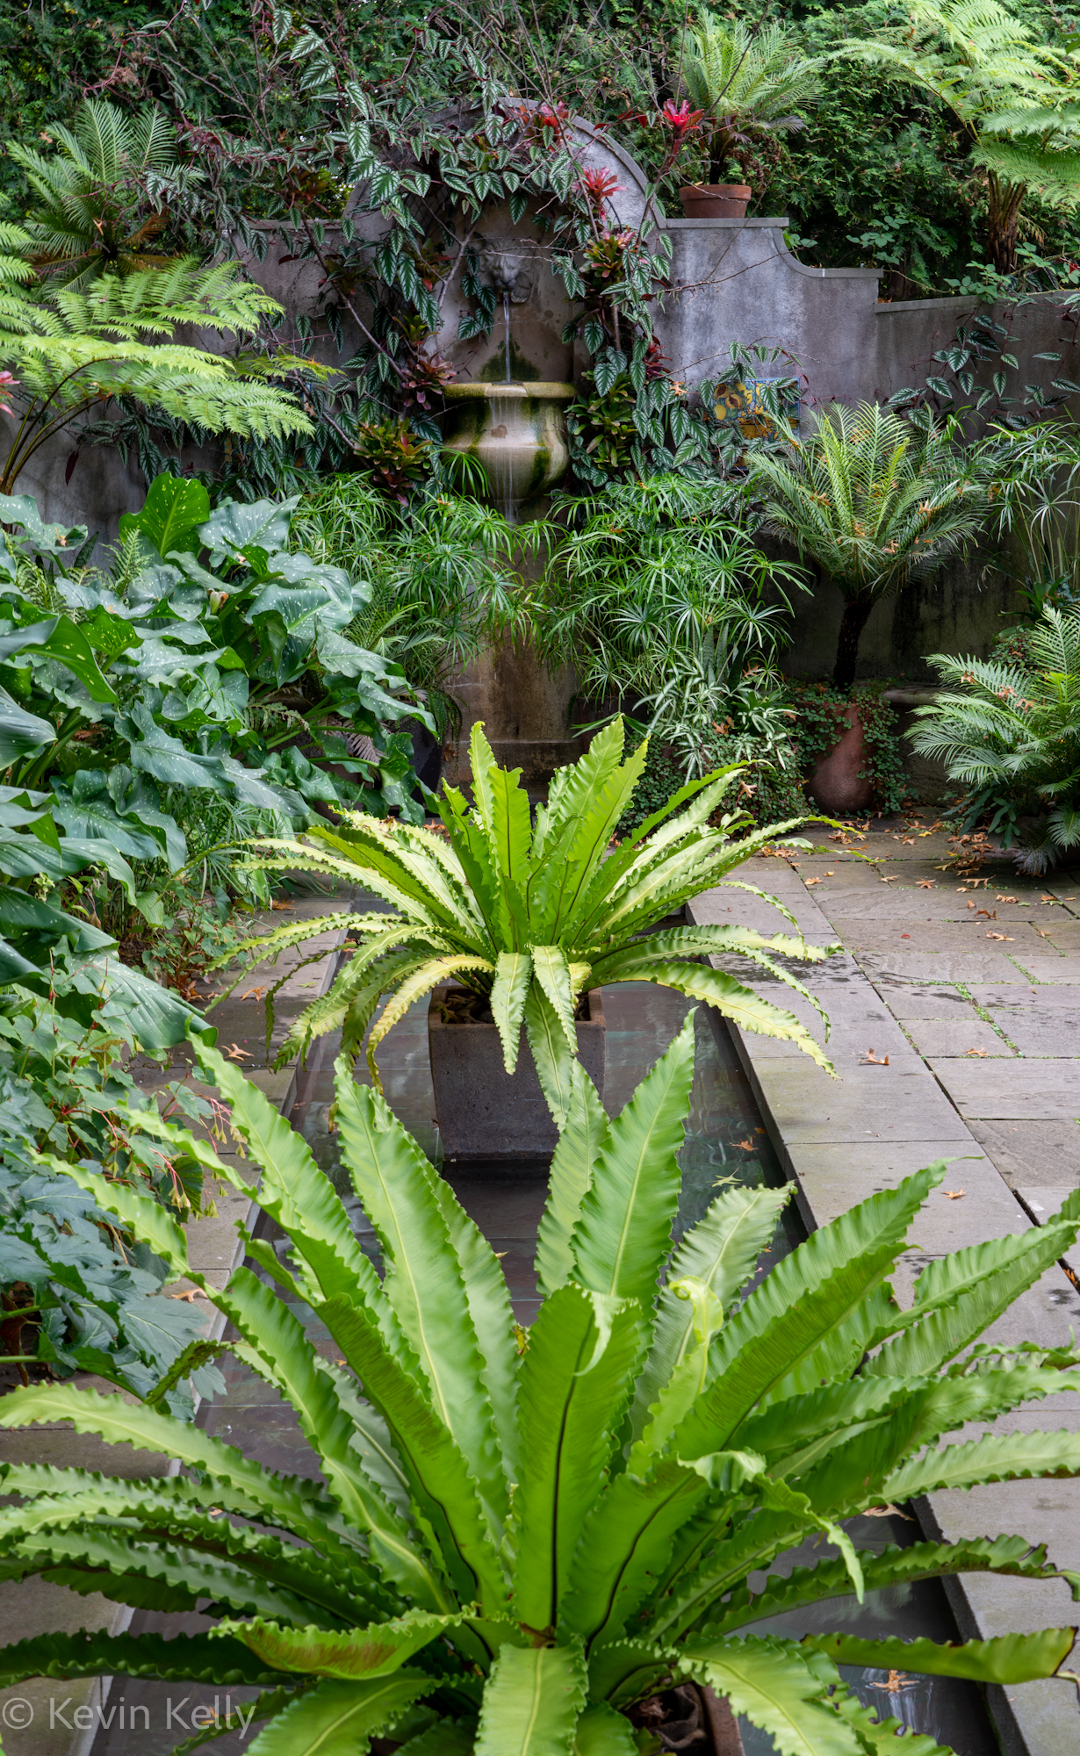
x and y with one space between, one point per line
725 1140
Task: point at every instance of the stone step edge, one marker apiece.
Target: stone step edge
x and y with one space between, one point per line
1006 1721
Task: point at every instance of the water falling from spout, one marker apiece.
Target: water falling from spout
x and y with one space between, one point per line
506 316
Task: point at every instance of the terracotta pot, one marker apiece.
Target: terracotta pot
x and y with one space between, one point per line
716 200
836 783
486 1113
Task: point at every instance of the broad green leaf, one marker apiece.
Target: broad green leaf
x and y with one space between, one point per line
811 1316
622 1671
350 1654
493 1320
688 1377
624 1230
174 508
444 1492
626 1546
569 1178
550 970
1005 1457
603 1732
62 639
965 1294
532 1701
420 982
776 1686
338 1719
893 1566
513 972
576 1378
731 997
423 1279
191 1658
294 1191
118 1423
573 788
235 525
21 733
278 1348
551 1053
510 830
720 1250
143 1213
1012 1658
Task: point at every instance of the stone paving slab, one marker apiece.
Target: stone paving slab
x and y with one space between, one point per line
1039 1030
967 1038
842 1141
1032 1152
1047 1090
954 939
974 966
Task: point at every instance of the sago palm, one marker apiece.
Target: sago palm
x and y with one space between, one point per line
873 502
515 1536
748 81
532 914
1010 732
103 196
1017 101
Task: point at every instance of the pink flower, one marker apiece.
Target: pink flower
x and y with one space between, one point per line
680 118
6 379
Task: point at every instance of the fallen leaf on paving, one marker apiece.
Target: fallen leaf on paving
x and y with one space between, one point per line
1006 936
1008 899
986 912
253 994
927 883
1043 934
893 880
285 907
1049 899
830 874
954 1194
875 1060
746 1146
895 1682
909 841
192 1293
809 881
975 1051
887 1511
235 1053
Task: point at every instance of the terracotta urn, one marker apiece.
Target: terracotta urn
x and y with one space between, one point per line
715 200
837 783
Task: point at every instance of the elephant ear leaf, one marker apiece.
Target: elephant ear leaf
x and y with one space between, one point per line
532 1701
174 508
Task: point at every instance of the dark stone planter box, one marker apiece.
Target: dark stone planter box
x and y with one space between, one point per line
484 1112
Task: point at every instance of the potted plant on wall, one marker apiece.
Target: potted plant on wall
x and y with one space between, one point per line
747 82
530 919
874 502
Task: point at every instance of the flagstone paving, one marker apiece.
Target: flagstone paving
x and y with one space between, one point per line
955 1013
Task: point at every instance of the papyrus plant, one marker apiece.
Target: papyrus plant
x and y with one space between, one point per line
516 1535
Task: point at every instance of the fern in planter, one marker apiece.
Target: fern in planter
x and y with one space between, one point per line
516 1536
531 915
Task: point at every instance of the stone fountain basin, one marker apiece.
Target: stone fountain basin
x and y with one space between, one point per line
516 432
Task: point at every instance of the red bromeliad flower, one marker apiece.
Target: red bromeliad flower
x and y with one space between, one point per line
680 118
598 186
6 379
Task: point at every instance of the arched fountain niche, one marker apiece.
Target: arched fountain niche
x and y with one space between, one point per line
507 411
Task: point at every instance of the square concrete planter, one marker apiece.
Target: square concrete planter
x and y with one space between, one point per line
484 1112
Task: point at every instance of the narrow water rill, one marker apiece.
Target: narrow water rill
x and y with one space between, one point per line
725 1141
